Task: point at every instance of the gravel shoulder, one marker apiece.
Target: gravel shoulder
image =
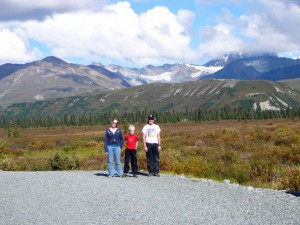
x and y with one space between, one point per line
89 197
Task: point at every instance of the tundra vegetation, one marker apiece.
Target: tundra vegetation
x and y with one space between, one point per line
260 153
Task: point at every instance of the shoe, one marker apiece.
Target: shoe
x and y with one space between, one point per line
134 175
109 176
124 175
150 175
157 175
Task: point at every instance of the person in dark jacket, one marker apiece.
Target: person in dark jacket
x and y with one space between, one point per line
113 143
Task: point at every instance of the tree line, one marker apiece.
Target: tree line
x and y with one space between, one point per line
196 115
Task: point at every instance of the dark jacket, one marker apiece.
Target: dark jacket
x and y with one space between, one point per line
111 138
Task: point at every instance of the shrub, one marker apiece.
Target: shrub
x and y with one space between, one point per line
3 146
6 165
291 182
59 162
285 137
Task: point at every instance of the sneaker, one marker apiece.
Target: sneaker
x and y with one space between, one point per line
134 175
157 175
124 175
150 175
109 176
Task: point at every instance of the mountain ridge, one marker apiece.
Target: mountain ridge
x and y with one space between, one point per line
162 97
52 77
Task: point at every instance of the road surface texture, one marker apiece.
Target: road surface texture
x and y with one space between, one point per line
90 197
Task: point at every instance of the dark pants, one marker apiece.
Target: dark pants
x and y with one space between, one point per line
152 158
130 155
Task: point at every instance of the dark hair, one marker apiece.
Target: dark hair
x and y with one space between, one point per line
116 120
150 117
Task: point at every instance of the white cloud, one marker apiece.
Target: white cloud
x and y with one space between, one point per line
38 10
274 28
92 30
219 41
14 49
116 32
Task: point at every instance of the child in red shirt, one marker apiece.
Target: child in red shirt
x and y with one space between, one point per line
131 140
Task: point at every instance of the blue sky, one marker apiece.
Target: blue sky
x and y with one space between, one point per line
136 33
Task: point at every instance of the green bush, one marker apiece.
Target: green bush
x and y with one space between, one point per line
60 162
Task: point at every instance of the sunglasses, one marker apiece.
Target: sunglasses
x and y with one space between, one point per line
115 122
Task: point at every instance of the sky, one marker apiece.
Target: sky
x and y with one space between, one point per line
136 33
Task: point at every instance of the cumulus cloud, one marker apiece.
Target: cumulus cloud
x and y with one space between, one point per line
93 30
14 48
116 32
273 29
38 10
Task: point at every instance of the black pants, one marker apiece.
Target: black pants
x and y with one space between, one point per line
152 158
130 155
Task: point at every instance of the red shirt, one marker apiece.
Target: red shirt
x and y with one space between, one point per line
131 140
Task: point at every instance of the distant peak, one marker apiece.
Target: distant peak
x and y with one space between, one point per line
227 58
97 64
53 60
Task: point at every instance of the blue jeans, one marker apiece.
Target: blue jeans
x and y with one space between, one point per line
114 154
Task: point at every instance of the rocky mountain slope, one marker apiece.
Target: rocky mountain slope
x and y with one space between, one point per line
261 67
167 73
53 78
161 97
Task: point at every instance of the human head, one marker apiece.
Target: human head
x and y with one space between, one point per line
114 122
131 129
151 118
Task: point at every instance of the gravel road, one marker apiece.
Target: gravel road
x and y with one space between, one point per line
89 197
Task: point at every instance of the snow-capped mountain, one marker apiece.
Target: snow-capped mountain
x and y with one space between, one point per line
167 73
224 60
52 77
262 67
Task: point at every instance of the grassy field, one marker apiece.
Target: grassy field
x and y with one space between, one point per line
260 153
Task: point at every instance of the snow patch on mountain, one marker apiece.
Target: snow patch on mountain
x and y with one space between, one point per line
203 91
250 95
203 70
278 90
265 106
167 73
39 97
163 77
282 102
177 92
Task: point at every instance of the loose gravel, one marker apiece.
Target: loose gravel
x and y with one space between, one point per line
89 197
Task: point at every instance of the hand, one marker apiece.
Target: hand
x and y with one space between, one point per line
159 148
145 148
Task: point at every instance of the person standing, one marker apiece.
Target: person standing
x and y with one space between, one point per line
131 140
152 145
113 143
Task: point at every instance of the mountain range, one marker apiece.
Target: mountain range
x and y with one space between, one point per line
52 78
161 97
261 67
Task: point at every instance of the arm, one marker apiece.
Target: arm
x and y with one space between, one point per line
144 141
121 139
105 141
137 142
159 142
